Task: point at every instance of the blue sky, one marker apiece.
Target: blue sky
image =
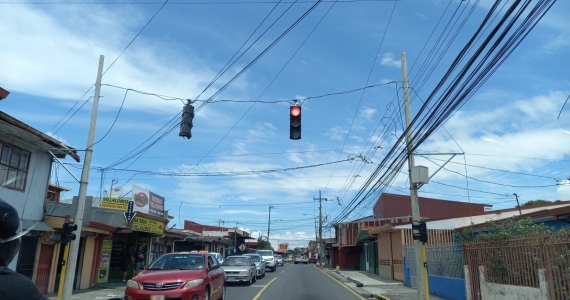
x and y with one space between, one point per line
509 129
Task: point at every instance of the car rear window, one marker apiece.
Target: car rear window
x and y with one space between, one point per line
265 252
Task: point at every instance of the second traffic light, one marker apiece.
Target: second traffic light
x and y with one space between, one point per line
186 123
419 230
295 122
67 234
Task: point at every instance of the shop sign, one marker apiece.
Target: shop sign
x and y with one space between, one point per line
147 225
115 203
105 260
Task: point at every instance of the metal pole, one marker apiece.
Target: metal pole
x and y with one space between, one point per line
420 280
63 269
320 230
518 205
78 218
268 225
235 239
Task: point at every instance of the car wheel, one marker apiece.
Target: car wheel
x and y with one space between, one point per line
223 296
254 278
250 282
274 268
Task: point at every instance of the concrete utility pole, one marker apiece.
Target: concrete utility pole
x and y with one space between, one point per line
320 241
420 276
269 223
235 239
78 219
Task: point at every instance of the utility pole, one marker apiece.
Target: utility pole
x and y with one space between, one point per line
235 239
320 241
78 219
421 268
268 223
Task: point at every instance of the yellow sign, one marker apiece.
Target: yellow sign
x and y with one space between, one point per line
104 263
148 225
115 203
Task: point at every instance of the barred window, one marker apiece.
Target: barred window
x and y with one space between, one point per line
14 163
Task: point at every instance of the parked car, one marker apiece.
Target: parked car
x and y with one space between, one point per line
279 260
269 259
218 256
180 275
259 264
240 268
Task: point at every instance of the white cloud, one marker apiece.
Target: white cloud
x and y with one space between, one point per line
367 113
336 133
389 61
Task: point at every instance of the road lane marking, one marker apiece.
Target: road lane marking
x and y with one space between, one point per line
342 284
263 289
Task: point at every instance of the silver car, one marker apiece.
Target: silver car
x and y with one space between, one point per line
259 263
240 268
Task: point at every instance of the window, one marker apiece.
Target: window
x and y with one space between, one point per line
14 163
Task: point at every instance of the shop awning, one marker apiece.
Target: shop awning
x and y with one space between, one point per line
41 226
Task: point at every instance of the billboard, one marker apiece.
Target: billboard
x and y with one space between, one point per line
148 202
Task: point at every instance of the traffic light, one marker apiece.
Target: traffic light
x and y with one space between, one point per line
295 122
67 234
186 124
419 230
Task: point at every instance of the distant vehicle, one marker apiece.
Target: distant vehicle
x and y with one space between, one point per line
269 259
300 255
259 263
288 259
240 268
179 275
218 256
313 257
279 260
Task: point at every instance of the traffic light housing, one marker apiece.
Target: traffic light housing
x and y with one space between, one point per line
186 124
67 234
295 122
419 229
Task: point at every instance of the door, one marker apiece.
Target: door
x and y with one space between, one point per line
215 273
27 256
44 267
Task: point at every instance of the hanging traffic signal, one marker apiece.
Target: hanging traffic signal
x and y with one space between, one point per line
67 234
295 122
186 124
419 230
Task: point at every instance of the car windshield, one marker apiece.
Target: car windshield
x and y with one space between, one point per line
236 261
255 258
265 253
178 262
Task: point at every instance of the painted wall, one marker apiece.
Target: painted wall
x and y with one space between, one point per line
446 287
493 291
88 257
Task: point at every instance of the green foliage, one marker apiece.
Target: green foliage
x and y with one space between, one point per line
503 230
536 202
263 244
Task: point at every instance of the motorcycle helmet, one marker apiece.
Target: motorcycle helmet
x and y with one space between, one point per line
9 233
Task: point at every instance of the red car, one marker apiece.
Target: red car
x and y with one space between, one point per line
182 275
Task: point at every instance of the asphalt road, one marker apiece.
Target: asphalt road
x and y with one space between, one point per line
292 281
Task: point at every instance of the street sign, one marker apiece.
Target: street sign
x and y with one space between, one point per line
129 214
242 247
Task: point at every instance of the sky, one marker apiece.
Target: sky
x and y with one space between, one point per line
511 135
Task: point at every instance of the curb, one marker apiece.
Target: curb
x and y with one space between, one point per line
358 283
382 297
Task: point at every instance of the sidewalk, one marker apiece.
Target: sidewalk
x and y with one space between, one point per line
378 287
101 291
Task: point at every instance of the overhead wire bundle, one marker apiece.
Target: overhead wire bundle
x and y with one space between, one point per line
494 49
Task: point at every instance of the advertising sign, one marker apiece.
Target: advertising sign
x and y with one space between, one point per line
140 197
156 205
115 203
147 225
105 261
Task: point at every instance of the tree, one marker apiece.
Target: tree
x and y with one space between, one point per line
263 244
536 202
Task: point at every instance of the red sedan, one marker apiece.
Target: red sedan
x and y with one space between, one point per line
183 275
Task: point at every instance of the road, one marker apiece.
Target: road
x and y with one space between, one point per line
293 282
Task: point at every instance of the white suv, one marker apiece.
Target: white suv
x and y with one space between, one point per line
269 259
218 256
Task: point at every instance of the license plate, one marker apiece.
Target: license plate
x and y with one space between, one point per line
230 279
157 297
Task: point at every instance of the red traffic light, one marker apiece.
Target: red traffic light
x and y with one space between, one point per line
295 111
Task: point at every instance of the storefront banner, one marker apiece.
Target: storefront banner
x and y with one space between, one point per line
115 203
141 199
147 225
104 263
156 205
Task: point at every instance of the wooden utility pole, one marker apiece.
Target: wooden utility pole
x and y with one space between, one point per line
320 240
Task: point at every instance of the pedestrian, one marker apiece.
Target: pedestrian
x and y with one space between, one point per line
13 285
139 260
126 260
